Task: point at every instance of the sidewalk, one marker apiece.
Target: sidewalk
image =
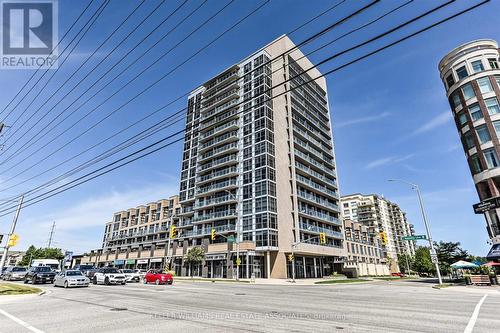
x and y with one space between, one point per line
282 282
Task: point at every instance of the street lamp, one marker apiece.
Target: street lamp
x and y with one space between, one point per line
237 237
424 217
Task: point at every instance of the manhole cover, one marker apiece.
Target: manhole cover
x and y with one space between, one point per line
118 309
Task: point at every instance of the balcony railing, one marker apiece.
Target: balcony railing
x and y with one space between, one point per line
318 200
317 186
316 214
214 201
215 215
221 138
313 228
217 162
217 186
219 129
317 175
217 174
207 231
312 161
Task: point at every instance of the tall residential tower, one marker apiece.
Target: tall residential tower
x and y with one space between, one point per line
471 77
259 165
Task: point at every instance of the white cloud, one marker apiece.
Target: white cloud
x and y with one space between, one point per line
435 122
80 227
387 160
360 120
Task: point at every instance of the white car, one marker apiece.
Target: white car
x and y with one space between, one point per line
71 278
108 275
131 275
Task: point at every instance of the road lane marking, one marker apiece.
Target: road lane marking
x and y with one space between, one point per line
475 314
20 322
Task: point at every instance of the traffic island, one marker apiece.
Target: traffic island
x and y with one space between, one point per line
16 289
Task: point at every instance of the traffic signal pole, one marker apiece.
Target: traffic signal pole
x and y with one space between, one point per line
12 230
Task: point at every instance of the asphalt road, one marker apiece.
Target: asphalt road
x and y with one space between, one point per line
228 307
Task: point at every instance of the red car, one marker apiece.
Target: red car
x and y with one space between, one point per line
398 274
158 277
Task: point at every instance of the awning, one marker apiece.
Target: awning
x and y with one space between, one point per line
119 262
142 261
130 261
494 253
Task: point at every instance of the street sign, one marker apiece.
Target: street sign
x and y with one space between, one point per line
414 237
434 258
231 239
486 205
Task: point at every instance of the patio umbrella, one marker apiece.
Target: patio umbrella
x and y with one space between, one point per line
491 264
463 264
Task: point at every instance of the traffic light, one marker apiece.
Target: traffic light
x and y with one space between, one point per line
322 238
290 257
383 238
173 231
238 261
212 234
13 239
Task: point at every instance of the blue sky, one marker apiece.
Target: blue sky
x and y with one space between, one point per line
389 112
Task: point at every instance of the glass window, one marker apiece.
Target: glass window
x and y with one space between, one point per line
450 80
462 72
475 112
498 80
484 85
468 91
462 118
477 66
492 105
493 63
483 134
496 125
469 141
475 164
491 158
456 99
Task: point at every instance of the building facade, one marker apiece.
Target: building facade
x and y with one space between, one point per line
365 256
259 166
138 237
380 215
471 76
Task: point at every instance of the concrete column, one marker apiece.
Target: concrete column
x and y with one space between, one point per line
152 250
268 264
204 267
304 264
247 266
315 268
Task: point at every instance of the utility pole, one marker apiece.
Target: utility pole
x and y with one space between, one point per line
12 230
51 234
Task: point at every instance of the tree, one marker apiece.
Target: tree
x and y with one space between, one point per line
403 259
41 253
194 256
448 253
422 262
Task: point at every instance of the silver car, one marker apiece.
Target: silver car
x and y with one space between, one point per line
71 278
14 273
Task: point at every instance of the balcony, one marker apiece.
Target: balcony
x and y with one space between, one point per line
312 140
317 200
217 187
220 129
227 148
230 159
226 199
231 136
219 109
226 172
312 228
225 116
315 163
309 172
319 155
311 184
319 215
207 231
215 216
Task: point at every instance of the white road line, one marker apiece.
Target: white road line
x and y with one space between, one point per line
473 318
20 322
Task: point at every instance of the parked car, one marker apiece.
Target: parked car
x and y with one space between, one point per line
141 272
90 273
71 278
398 274
14 273
3 271
158 277
84 268
38 274
108 275
131 275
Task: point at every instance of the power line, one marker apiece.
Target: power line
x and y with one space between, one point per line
84 179
159 126
119 61
322 32
80 67
155 82
86 27
55 47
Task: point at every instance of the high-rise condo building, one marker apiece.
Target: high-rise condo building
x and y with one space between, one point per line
259 166
386 222
471 76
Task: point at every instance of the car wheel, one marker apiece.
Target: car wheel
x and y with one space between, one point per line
170 282
145 281
157 282
123 283
94 280
33 280
65 284
25 280
106 281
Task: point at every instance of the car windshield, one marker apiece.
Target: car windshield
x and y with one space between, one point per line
43 269
86 267
19 269
73 273
111 270
127 271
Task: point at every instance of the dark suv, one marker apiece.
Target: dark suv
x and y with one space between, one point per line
40 274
